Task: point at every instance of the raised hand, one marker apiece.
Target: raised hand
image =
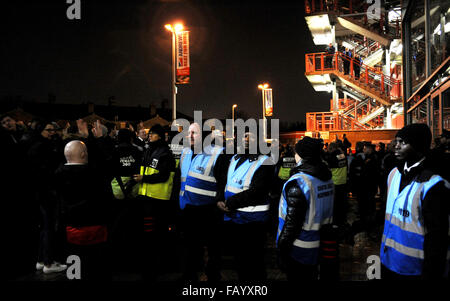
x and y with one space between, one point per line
82 128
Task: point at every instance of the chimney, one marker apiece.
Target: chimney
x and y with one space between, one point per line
90 107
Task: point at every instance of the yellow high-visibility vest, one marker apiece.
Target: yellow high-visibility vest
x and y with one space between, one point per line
161 191
117 190
284 173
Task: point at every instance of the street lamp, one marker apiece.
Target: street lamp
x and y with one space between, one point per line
174 29
263 87
232 116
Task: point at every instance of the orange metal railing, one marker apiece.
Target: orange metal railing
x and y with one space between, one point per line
331 121
363 75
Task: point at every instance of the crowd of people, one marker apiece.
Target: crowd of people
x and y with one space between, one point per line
116 198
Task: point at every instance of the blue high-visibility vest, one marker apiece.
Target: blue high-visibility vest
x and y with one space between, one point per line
238 180
320 197
198 184
404 232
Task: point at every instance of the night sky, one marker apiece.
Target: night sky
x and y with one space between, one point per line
121 49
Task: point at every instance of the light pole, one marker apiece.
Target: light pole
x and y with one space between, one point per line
232 116
263 87
174 30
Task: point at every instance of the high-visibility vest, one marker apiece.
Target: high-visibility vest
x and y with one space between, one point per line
285 168
320 197
117 190
161 191
238 180
339 173
403 236
198 184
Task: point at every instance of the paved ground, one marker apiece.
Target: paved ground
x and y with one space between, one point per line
353 260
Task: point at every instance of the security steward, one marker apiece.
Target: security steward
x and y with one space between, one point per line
246 207
203 177
127 225
306 206
415 239
156 180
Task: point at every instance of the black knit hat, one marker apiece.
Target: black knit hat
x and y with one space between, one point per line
158 129
308 148
418 135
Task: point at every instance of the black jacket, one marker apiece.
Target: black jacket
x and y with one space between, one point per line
257 194
160 157
297 204
126 160
44 157
435 214
84 194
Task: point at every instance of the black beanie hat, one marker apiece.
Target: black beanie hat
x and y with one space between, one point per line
124 136
158 129
308 148
418 135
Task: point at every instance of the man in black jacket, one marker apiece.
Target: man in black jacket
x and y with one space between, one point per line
309 190
126 223
247 209
43 161
415 239
84 195
155 187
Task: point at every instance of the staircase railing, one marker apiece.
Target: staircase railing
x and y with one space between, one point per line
362 75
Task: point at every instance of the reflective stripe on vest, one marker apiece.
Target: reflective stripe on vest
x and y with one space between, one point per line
199 185
161 191
238 180
403 236
319 195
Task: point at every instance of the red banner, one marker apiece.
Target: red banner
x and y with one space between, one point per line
268 102
182 57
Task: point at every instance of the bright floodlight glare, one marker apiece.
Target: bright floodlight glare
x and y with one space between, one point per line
179 27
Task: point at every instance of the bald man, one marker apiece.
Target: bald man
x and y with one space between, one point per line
76 153
203 179
84 196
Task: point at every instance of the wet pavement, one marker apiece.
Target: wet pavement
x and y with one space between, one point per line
353 259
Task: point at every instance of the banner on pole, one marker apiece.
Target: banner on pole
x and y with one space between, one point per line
182 57
268 102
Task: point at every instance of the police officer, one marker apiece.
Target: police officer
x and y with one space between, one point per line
306 205
203 178
156 180
246 208
415 238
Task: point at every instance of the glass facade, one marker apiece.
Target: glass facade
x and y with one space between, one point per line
418 46
439 45
428 67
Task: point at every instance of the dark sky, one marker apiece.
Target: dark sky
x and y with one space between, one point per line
121 49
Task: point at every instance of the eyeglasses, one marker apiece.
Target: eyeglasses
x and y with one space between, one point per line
50 130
